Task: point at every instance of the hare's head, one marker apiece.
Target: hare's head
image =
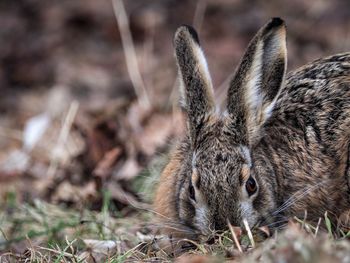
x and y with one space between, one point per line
221 181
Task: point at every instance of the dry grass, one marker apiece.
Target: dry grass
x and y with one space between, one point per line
52 233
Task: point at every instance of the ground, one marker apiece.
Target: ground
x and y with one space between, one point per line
89 111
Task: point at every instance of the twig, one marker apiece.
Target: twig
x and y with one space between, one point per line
304 220
250 235
148 55
62 138
318 226
130 53
199 14
233 233
60 253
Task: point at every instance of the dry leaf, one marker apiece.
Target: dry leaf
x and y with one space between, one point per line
101 246
66 192
34 129
105 166
129 170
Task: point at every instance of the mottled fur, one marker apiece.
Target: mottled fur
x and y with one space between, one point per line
289 134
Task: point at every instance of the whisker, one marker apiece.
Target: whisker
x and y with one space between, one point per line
277 223
281 227
297 196
176 226
270 220
292 200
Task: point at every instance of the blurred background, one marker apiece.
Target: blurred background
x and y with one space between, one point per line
88 102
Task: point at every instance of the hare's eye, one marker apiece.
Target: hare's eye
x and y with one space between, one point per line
191 192
251 186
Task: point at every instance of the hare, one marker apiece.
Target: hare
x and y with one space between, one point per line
280 149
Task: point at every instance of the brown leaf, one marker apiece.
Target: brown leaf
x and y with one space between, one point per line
101 246
158 129
100 140
66 192
265 230
105 166
129 170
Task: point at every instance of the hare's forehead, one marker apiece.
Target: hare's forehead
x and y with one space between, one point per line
217 154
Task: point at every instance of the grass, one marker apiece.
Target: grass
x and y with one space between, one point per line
59 233
42 232
52 233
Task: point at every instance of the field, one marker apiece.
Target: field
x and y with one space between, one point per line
89 110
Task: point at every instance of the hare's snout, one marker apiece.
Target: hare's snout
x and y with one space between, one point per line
222 213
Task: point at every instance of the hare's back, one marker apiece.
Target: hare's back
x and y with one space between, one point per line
319 92
318 79
316 100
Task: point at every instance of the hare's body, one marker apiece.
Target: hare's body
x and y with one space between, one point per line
306 139
280 150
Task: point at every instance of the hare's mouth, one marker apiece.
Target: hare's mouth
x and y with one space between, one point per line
271 223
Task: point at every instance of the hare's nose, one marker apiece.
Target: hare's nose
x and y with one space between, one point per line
220 225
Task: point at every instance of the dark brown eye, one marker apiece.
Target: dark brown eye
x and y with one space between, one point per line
191 192
251 186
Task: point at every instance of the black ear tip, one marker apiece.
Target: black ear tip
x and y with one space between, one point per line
193 33
275 22
190 30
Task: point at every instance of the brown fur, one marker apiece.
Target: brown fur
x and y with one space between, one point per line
288 135
164 194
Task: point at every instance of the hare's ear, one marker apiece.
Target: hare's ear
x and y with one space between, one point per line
258 80
195 82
